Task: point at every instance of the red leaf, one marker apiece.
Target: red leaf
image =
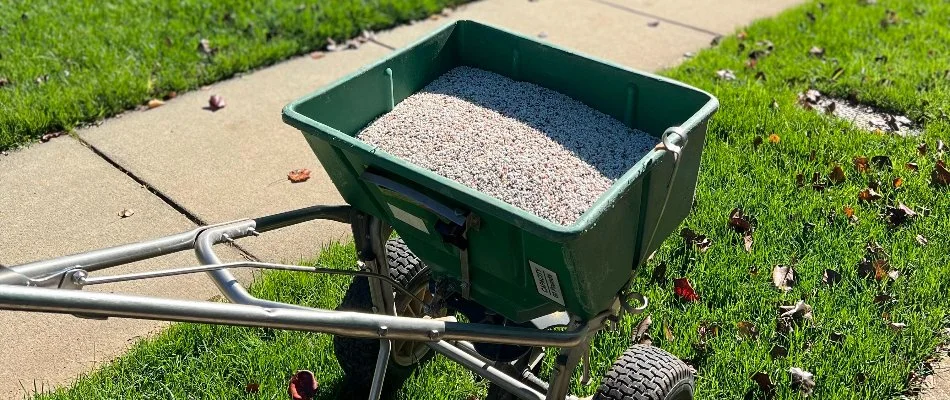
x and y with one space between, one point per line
303 386
216 102
684 290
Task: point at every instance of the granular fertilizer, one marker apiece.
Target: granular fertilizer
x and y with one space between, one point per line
526 145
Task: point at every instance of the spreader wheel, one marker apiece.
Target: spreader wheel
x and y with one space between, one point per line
647 373
357 357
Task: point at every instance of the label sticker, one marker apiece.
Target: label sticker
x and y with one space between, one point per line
408 218
547 283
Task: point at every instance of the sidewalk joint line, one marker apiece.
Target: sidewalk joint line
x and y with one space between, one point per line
382 44
657 17
161 196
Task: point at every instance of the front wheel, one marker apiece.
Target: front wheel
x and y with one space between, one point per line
647 373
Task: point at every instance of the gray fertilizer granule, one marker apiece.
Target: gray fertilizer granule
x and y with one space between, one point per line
528 146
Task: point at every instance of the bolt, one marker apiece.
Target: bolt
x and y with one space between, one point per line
383 330
434 335
79 277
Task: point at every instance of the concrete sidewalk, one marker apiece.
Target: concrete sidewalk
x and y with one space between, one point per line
200 167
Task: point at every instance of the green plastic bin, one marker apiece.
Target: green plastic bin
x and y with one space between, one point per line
508 260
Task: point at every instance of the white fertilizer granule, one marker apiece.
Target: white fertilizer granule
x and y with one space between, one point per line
531 147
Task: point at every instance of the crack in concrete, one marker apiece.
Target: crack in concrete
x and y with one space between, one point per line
161 196
657 17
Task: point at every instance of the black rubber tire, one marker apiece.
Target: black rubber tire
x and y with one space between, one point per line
647 373
357 357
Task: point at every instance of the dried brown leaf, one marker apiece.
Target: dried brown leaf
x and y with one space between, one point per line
774 138
299 175
643 330
204 45
816 51
764 382
747 330
128 212
740 222
921 240
778 351
940 176
837 175
861 164
155 103
897 182
922 149
912 166
882 162
252 387
756 142
783 277
897 326
868 195
747 242
831 277
802 380
836 337
800 179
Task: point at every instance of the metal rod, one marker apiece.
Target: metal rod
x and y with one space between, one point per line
108 257
343 323
486 370
100 280
379 375
339 213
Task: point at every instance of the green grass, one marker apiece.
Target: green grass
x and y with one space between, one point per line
96 59
217 362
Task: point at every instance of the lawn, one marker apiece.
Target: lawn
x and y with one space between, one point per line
68 62
867 338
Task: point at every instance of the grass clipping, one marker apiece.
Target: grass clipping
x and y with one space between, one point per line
526 145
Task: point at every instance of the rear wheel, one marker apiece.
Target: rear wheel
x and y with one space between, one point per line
357 357
647 373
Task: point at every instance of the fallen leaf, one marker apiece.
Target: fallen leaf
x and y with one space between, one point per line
848 211
899 215
706 331
701 242
882 162
204 45
742 35
897 326
868 195
783 277
542 35
4 82
316 55
921 240
747 242
171 95
716 40
128 212
684 290
299 175
659 273
816 51
726 74
882 298
747 330
836 337
765 383
760 76
802 380
800 179
252 387
941 147
831 277
50 136
940 176
756 142
837 175
642 334
778 351
303 386
667 333
333 46
912 166
922 149
740 222
861 164
897 182
216 102
653 24
799 311
773 138
155 103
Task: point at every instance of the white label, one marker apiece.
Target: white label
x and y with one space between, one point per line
408 218
547 283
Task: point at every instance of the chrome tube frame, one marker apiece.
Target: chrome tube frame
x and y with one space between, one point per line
38 287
